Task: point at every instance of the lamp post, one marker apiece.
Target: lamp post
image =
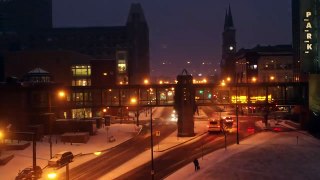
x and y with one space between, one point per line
50 125
237 109
151 143
1 141
61 94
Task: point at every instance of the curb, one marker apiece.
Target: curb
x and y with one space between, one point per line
181 143
104 150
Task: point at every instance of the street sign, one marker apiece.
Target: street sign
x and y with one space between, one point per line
157 133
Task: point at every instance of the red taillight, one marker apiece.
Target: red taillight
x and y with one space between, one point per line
277 129
250 130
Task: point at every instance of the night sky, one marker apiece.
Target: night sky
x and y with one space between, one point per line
186 30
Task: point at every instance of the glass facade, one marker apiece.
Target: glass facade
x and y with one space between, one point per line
81 76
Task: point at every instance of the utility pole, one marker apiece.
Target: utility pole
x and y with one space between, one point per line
151 143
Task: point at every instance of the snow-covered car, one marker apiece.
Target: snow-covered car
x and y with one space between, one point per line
29 174
61 159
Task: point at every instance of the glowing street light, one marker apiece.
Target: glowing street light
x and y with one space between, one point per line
61 94
133 100
1 135
254 79
145 81
228 79
52 175
223 83
271 78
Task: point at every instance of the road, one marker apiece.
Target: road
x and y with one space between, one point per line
121 154
165 164
179 157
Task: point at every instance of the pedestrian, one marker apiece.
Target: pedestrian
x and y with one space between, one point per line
196 164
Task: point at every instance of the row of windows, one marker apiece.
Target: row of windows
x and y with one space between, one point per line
81 70
81 82
277 66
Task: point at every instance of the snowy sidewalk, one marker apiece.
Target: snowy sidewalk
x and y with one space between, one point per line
267 155
98 142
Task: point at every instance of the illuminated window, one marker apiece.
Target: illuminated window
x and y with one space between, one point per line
254 66
81 113
122 66
83 70
81 82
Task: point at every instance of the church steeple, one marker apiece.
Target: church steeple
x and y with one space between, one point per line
228 20
228 45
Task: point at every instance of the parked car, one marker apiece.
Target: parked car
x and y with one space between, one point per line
29 174
214 125
61 159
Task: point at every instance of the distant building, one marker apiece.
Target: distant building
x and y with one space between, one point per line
127 45
265 64
306 37
229 47
39 60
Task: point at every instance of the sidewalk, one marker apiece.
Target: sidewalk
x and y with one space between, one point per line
267 155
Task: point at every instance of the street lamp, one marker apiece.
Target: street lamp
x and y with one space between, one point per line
146 81
223 83
52 175
237 110
254 79
151 144
1 141
61 94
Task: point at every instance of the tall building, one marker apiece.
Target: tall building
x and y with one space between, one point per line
127 45
305 35
229 46
84 56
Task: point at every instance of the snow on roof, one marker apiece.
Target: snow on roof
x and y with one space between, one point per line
38 71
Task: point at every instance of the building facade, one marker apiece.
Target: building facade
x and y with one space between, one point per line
265 64
128 45
74 57
305 35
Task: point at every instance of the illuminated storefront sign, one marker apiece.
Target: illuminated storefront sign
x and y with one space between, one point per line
253 99
308 26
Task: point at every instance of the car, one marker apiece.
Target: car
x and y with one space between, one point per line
214 125
228 121
61 159
29 174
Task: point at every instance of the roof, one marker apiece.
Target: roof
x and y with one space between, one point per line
38 71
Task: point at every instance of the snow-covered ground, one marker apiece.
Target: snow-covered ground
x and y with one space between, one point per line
98 142
267 155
